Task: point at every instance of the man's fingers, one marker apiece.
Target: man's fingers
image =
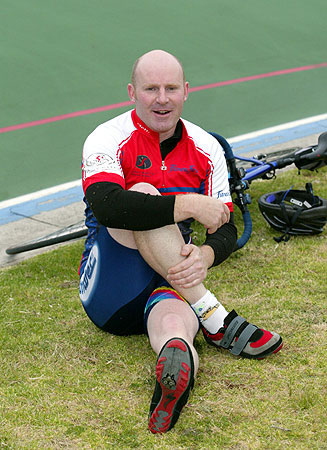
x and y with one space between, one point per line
186 263
179 267
214 214
186 283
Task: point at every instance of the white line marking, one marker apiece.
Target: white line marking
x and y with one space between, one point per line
39 194
284 126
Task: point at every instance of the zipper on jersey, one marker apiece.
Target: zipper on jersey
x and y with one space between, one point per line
163 166
163 169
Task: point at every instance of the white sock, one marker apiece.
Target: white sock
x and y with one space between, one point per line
210 312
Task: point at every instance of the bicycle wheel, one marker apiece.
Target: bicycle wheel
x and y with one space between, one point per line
271 156
266 157
65 234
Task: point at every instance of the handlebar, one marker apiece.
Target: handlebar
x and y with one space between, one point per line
247 229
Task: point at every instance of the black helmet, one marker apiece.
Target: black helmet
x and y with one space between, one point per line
294 212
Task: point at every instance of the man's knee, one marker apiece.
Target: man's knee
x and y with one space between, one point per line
159 294
172 320
126 237
146 188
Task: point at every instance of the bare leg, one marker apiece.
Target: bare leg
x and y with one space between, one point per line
172 318
161 250
169 318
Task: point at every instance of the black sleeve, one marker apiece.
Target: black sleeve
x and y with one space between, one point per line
115 207
222 241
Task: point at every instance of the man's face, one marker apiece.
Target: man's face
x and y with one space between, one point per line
159 93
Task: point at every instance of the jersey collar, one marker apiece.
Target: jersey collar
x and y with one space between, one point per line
141 126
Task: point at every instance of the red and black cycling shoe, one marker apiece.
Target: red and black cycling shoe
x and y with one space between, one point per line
244 339
175 379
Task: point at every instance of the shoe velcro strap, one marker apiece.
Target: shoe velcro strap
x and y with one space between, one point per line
243 339
231 330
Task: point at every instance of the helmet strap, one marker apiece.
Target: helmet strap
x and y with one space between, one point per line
290 223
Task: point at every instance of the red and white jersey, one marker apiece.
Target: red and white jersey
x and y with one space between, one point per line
124 150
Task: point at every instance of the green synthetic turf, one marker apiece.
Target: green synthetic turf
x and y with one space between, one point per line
65 384
64 56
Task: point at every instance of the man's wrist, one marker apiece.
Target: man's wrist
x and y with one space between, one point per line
185 207
208 255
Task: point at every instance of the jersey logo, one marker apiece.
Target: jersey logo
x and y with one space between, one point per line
223 194
143 162
175 168
100 162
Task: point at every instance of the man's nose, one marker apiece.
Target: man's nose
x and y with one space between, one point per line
162 96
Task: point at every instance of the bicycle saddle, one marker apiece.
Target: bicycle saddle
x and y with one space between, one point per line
322 143
313 158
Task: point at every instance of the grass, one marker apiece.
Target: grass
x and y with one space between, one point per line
65 384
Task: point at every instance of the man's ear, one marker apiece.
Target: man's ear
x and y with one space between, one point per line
131 92
186 90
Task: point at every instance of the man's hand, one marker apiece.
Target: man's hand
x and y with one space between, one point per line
193 269
211 212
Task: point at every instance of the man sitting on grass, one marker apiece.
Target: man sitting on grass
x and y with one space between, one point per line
140 271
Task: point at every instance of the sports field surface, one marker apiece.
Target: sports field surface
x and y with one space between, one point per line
65 65
250 64
64 384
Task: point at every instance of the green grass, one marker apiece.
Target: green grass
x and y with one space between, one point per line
65 384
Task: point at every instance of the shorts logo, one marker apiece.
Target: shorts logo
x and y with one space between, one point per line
143 162
89 275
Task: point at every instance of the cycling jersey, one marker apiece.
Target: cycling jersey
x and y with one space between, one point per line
125 151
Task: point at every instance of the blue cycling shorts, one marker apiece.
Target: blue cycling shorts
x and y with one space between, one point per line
115 286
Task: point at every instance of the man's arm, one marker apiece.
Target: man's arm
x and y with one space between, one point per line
115 207
209 211
222 242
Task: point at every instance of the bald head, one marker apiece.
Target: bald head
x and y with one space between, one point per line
156 58
158 90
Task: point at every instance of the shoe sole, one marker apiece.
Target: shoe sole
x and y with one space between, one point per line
174 372
271 351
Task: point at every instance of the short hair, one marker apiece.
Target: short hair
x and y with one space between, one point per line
133 76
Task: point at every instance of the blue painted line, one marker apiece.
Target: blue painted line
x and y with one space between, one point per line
75 194
43 204
279 137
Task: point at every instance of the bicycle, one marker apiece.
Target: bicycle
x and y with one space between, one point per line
264 167
242 171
